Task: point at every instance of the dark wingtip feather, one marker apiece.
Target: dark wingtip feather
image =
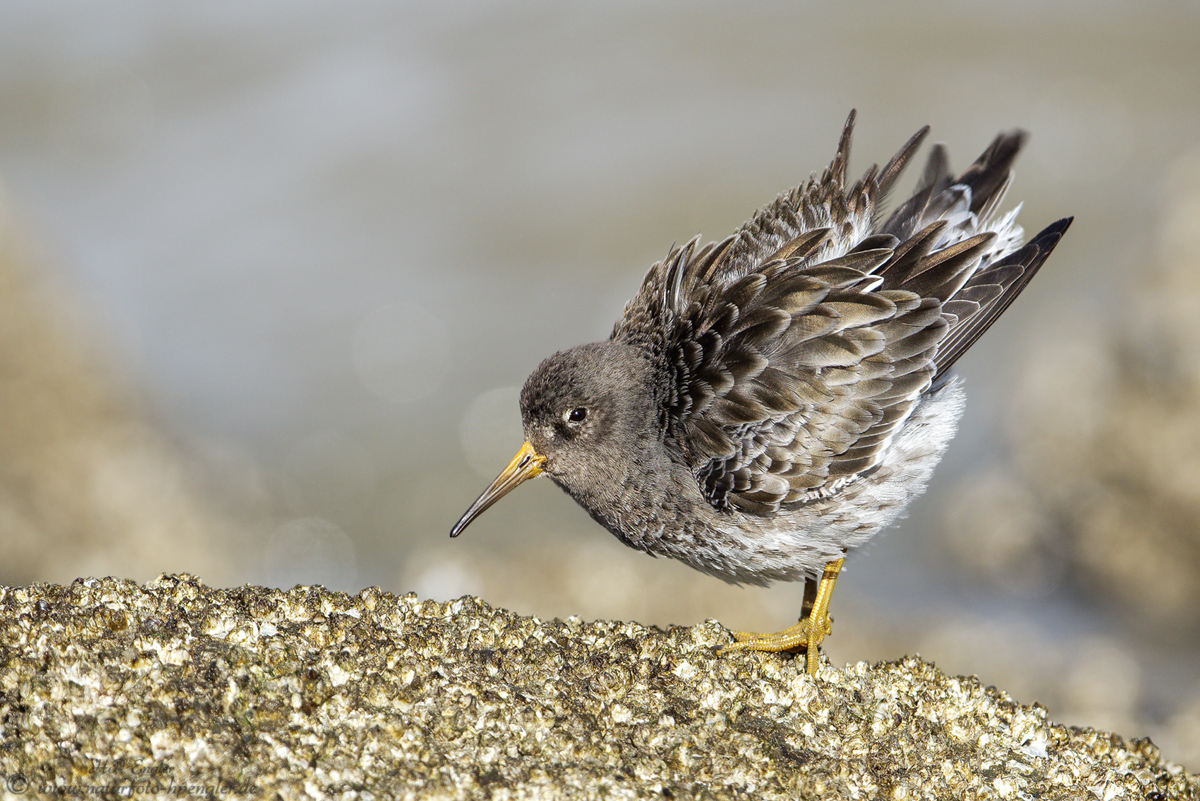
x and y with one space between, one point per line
893 169
990 170
937 167
1030 258
841 159
1059 227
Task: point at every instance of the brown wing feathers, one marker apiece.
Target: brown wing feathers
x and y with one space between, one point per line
797 347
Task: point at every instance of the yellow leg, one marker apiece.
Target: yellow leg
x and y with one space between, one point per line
807 634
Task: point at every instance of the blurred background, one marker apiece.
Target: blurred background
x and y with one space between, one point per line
271 276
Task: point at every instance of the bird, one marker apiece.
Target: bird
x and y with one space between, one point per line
769 402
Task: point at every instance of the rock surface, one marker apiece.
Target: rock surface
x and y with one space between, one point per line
109 687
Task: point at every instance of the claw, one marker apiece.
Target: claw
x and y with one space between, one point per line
807 634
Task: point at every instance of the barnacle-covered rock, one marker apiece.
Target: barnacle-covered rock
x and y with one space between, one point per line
177 688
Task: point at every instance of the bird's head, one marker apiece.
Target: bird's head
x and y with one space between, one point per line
586 411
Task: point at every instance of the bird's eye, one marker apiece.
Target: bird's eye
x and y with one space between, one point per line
577 415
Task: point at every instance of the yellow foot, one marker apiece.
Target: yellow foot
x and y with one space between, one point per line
807 634
796 638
